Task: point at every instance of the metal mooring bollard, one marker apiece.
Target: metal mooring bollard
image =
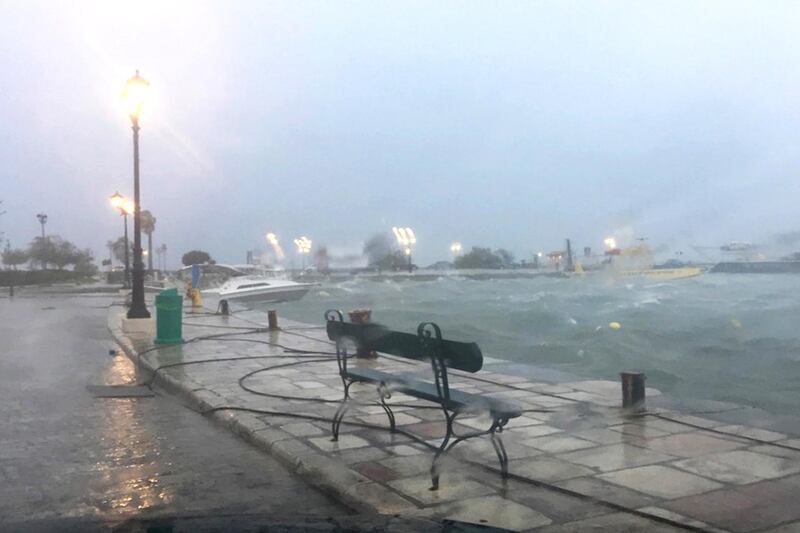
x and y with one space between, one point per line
224 308
362 316
633 396
272 317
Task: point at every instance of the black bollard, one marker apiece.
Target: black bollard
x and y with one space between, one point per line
272 317
633 395
224 309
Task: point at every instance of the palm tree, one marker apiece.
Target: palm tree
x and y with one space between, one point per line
148 227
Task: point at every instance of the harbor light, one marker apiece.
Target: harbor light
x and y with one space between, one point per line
456 248
610 242
303 245
272 239
406 239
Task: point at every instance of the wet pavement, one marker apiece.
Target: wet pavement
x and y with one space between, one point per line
65 454
579 462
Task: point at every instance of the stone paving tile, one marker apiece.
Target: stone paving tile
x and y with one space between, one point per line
695 420
666 426
753 433
615 457
376 472
452 486
690 444
302 429
531 431
640 431
752 507
597 488
675 517
494 511
406 449
602 435
359 455
401 419
409 465
612 523
769 449
547 468
558 506
558 443
740 466
345 442
661 481
481 449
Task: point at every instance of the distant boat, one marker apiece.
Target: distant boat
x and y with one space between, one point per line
259 289
637 261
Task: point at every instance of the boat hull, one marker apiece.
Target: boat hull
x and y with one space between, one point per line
279 294
662 273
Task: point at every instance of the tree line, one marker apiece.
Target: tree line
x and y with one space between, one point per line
51 251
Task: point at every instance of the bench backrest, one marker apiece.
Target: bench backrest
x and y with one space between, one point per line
427 344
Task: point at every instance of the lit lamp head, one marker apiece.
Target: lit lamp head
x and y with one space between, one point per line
117 200
134 96
128 207
455 247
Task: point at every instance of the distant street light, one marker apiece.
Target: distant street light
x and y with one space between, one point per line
455 248
134 96
125 207
42 220
406 239
303 245
272 239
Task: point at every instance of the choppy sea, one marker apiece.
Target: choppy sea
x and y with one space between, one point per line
726 338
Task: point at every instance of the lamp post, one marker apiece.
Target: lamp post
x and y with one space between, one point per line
42 220
406 239
125 208
134 96
303 248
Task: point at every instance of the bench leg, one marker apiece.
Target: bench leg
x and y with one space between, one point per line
389 413
340 412
439 452
500 450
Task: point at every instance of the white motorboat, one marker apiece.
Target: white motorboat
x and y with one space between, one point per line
260 289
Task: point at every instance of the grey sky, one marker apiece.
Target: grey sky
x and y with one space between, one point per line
492 123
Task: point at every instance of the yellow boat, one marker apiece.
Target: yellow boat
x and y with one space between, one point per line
637 261
663 273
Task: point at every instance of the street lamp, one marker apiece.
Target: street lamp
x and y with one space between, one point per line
303 248
42 220
455 248
406 239
125 208
134 96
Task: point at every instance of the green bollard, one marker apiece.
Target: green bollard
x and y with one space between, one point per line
169 317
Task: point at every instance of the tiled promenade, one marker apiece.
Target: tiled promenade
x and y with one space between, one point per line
578 462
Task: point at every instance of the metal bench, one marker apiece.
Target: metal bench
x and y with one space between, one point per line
426 345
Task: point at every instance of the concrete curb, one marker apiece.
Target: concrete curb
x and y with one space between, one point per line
333 477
